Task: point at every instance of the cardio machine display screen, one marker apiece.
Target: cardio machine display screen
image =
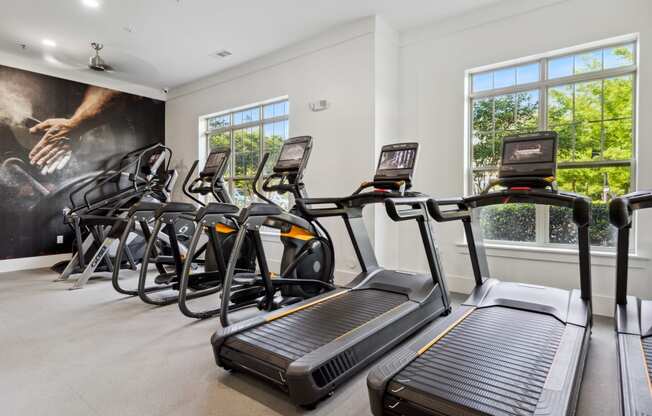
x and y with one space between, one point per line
215 162
397 159
529 152
292 155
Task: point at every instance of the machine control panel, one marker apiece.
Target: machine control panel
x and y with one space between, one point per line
216 163
294 155
529 155
397 162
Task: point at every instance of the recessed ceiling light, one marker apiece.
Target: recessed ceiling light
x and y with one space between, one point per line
50 43
91 3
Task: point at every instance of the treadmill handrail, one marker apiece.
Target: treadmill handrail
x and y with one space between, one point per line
622 208
462 212
580 205
355 200
418 208
303 204
621 211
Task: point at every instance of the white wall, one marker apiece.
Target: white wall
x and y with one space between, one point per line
433 62
386 130
336 66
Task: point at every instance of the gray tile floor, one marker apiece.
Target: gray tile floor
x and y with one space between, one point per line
95 352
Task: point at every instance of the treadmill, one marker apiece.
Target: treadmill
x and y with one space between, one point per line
633 316
510 348
309 348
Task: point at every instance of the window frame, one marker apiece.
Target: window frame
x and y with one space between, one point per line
542 86
230 177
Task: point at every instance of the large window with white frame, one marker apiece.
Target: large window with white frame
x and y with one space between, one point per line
249 132
588 98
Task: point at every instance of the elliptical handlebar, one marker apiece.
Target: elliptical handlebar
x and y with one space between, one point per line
259 173
188 188
117 170
279 187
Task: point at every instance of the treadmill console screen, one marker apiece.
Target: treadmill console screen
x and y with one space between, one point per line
216 163
294 154
529 155
397 162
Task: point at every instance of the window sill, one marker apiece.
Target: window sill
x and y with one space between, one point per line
553 254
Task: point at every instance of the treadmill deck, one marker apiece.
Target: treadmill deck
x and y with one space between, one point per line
647 352
495 361
286 339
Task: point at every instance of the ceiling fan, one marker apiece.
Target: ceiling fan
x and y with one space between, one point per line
95 62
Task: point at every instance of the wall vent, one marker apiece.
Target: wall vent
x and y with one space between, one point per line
223 53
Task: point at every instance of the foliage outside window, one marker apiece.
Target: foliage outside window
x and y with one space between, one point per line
588 99
249 133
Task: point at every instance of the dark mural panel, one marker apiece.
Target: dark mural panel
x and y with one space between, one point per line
53 134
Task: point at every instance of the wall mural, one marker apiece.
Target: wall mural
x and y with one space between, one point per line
52 133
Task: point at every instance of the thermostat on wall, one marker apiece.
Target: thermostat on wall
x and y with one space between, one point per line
320 105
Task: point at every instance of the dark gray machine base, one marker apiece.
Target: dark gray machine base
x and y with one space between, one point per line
490 357
634 357
325 344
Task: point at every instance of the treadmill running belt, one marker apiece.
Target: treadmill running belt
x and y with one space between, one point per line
647 351
299 333
495 361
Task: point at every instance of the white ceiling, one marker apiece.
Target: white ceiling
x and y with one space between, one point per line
172 41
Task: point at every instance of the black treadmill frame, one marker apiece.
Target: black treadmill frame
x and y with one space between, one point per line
633 316
577 316
426 299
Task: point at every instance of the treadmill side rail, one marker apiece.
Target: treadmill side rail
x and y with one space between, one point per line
352 351
381 374
223 333
636 390
628 316
562 388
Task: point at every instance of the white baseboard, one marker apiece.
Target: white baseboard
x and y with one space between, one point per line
29 263
602 305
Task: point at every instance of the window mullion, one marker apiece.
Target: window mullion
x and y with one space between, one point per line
542 211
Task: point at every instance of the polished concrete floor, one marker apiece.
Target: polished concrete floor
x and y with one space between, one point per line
95 352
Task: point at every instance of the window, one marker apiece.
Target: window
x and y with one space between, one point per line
588 99
249 133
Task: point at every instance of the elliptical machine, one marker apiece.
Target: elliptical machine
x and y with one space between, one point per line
168 228
307 264
100 203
